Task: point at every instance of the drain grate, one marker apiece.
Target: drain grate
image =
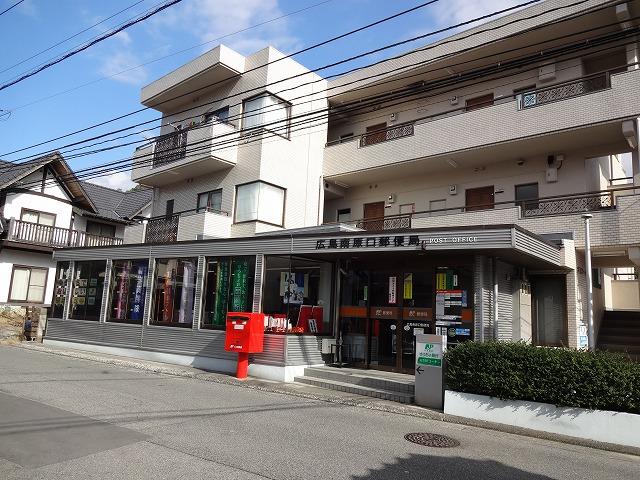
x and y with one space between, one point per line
432 440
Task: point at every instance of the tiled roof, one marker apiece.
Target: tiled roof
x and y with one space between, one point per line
10 172
117 205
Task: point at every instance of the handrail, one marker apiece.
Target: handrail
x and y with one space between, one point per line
611 193
560 91
37 234
192 211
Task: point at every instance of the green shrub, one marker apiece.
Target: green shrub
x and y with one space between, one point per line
559 376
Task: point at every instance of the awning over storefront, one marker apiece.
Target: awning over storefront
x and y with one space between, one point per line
509 242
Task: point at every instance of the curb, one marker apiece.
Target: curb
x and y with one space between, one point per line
282 389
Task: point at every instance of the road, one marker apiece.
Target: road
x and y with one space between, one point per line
68 418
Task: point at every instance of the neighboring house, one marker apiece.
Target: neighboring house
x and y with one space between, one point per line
43 206
443 193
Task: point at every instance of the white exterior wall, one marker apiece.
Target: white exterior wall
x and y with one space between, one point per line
10 257
294 164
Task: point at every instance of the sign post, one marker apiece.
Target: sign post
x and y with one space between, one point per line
429 389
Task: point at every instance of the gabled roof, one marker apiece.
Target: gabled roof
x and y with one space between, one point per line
117 205
10 173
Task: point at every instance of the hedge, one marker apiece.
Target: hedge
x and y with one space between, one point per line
559 376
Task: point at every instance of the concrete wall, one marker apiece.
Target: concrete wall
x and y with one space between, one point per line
294 164
625 294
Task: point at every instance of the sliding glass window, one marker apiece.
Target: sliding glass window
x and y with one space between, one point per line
175 290
88 283
228 287
60 288
128 291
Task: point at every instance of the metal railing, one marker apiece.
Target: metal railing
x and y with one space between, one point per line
539 207
164 228
46 235
563 91
170 148
387 134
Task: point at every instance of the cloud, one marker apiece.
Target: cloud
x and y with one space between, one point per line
208 20
457 11
119 180
119 66
28 8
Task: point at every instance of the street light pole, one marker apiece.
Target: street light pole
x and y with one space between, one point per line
587 266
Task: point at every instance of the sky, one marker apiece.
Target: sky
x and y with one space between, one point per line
101 82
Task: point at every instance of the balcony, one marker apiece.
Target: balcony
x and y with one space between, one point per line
198 150
189 225
614 216
586 112
55 237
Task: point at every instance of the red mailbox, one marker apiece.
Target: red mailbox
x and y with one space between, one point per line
245 335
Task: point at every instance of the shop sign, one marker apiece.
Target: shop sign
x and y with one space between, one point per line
430 355
369 242
385 312
392 290
410 313
385 241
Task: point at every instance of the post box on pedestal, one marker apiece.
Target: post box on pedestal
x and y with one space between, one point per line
245 335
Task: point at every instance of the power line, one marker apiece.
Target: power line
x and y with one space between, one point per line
71 37
94 172
12 6
306 49
90 44
306 73
178 52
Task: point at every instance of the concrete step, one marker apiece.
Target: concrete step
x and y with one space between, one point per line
618 339
393 396
403 384
613 347
620 331
621 322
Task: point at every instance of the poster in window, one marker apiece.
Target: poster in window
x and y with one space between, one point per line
93 282
293 287
137 306
91 300
81 292
408 286
82 282
92 292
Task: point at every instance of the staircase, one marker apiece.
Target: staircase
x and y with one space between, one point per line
395 387
620 332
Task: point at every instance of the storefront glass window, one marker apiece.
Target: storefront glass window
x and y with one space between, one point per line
297 295
175 290
128 291
228 287
88 283
60 288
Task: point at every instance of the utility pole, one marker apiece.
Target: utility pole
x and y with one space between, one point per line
587 266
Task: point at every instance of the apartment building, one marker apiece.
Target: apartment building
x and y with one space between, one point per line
43 206
440 191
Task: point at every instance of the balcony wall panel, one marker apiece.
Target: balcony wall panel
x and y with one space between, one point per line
496 124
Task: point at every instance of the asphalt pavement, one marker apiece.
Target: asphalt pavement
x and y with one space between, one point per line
70 418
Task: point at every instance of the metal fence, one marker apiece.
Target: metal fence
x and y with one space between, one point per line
565 90
170 148
391 133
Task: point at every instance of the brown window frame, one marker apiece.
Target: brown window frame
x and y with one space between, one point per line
30 268
39 212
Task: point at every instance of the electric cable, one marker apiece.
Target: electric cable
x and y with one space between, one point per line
11 7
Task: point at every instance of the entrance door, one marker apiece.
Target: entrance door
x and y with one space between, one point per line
549 300
374 216
479 198
400 308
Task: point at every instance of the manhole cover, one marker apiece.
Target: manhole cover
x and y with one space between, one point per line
432 440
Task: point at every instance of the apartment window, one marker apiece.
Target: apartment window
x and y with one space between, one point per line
479 102
228 287
407 208
344 214
210 201
175 292
527 196
28 284
169 208
260 201
128 290
88 284
267 111
41 218
220 115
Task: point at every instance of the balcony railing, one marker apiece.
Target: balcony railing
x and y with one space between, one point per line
164 229
540 207
391 222
170 148
387 134
45 235
565 90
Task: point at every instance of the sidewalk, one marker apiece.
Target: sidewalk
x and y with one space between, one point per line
313 393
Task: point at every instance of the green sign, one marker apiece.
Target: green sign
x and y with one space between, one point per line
434 362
